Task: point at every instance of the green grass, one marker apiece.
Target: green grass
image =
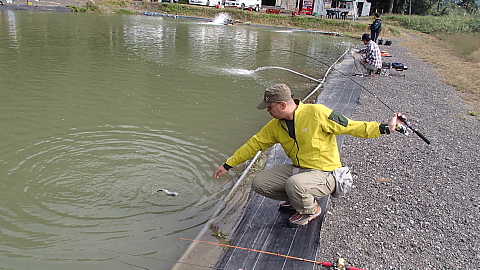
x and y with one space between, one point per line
116 3
124 11
467 46
439 26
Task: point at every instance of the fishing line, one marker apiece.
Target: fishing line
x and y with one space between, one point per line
134 265
153 258
401 117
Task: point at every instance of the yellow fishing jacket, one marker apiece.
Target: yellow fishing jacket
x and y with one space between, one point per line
315 145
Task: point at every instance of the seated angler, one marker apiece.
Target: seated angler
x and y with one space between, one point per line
369 57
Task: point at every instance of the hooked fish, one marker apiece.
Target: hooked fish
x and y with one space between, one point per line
169 193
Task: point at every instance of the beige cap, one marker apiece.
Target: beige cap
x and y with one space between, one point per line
276 93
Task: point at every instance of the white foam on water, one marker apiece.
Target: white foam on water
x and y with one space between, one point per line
221 19
238 71
284 31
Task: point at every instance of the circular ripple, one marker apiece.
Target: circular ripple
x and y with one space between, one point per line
99 187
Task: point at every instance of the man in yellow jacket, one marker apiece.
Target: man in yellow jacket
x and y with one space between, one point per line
307 134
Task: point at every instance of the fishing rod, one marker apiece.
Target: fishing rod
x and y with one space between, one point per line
340 263
402 118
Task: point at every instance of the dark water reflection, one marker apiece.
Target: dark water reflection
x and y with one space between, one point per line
99 111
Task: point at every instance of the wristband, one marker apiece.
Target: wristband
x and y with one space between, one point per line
226 166
384 129
387 129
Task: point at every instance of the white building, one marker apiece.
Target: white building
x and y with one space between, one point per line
355 8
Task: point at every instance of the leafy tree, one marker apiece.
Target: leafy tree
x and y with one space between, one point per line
425 7
390 6
470 5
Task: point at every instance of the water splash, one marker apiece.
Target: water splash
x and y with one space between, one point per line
289 70
222 18
284 31
239 71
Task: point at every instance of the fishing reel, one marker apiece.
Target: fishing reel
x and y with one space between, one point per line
402 129
339 265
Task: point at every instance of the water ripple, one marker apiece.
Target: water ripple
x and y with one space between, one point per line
99 185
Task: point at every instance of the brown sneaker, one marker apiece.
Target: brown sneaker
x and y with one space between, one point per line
302 220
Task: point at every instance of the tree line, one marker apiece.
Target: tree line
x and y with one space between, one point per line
425 7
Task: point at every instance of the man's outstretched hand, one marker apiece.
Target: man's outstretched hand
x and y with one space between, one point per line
220 171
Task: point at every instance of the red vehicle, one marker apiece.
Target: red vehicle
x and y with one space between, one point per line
307 7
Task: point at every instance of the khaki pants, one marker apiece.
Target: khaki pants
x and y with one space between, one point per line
280 183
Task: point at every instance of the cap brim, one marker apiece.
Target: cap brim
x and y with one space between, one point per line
263 105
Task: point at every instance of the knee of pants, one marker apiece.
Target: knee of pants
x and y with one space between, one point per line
293 185
258 184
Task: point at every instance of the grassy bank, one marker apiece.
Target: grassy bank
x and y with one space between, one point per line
439 26
451 44
347 28
456 68
448 43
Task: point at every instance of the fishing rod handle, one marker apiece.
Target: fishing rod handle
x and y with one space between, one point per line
423 137
404 120
327 264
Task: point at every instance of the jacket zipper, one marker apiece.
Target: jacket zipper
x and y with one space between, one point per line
285 127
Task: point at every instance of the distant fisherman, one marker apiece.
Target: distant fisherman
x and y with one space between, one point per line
307 133
376 27
368 57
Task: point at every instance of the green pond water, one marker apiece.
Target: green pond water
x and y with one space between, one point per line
99 111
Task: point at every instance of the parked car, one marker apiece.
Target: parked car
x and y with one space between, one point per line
244 4
209 3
